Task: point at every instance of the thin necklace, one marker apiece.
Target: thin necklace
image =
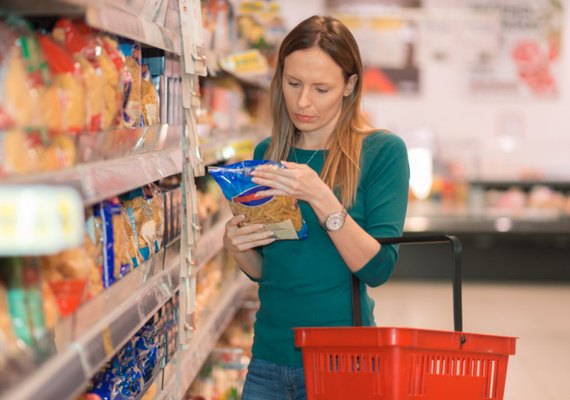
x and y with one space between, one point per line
310 158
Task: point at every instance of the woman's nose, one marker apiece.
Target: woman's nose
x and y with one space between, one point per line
303 100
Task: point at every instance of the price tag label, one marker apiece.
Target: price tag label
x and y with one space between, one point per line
38 219
151 9
188 40
107 340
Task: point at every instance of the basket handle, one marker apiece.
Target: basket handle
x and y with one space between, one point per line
455 273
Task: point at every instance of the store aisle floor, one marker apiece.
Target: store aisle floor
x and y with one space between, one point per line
537 314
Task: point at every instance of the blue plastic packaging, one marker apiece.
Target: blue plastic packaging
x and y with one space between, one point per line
280 214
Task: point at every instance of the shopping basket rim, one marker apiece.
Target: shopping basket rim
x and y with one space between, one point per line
396 329
402 337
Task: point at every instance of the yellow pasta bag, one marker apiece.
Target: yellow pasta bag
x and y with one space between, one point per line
280 214
68 78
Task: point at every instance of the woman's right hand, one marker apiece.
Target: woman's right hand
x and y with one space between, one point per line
240 237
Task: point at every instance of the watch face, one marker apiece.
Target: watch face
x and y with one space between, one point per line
334 222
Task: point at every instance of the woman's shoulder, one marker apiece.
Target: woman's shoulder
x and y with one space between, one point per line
261 148
381 140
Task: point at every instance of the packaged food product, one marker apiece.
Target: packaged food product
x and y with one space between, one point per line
15 360
131 240
67 76
23 76
132 90
116 261
149 98
155 200
94 249
280 214
60 153
66 273
86 49
144 223
25 304
114 95
51 308
18 155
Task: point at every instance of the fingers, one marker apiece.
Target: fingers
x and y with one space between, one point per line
240 237
277 178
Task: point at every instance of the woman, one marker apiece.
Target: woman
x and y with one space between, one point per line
352 185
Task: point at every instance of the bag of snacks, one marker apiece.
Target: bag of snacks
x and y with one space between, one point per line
68 80
281 214
132 117
81 44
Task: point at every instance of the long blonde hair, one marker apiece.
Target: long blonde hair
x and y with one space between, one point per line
341 171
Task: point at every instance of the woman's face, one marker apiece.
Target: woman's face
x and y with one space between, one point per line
313 88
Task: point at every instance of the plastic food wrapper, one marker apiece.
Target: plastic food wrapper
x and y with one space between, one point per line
15 357
115 71
68 80
79 41
94 247
67 273
24 77
144 213
26 305
132 117
126 374
117 261
281 214
149 98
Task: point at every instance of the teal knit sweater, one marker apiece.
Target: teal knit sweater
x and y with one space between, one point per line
306 282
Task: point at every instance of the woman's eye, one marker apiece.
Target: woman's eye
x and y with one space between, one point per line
322 90
294 84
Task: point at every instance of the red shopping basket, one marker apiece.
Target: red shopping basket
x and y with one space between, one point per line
363 363
391 363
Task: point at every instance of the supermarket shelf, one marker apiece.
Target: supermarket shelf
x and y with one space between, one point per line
222 148
563 185
261 81
211 242
133 19
43 8
214 324
131 26
156 154
454 220
104 325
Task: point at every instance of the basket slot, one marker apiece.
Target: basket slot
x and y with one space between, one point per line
332 369
487 370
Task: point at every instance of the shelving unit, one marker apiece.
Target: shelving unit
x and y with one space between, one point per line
206 337
124 160
114 162
99 328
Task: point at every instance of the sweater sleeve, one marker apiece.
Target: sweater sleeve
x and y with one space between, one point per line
385 181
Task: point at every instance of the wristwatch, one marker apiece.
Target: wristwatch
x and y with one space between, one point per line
335 221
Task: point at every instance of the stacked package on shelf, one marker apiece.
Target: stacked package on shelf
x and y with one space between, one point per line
55 86
131 373
223 374
173 212
27 315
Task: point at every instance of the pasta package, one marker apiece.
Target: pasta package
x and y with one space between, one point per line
280 214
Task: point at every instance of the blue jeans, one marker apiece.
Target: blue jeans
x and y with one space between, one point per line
268 381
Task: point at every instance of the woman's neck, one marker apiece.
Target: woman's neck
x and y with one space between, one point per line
309 141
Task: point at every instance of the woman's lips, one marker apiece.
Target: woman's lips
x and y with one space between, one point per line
304 118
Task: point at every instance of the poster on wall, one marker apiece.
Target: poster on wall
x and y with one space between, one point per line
388 39
526 63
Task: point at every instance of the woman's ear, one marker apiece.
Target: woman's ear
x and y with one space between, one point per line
349 87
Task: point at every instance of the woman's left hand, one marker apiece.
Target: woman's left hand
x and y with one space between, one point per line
297 180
